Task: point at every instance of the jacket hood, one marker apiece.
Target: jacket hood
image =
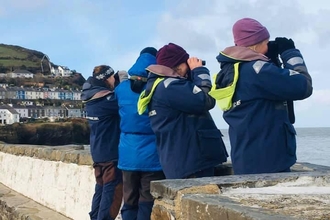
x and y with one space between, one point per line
160 70
93 89
237 54
142 62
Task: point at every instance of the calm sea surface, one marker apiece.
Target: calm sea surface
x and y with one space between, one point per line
313 145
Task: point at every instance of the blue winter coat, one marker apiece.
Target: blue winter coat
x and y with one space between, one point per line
261 135
103 119
137 148
188 140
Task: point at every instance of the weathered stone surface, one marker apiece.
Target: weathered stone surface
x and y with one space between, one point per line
169 188
67 153
14 206
159 212
177 196
214 207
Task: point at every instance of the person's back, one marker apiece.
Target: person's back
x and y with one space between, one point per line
138 157
189 143
261 135
103 118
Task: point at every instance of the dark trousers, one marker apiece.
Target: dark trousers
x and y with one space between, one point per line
108 194
138 201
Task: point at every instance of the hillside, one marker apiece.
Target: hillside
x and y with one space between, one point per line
16 57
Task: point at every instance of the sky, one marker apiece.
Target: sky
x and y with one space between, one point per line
82 34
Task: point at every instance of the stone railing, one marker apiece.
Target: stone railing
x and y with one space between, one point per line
42 182
295 196
60 178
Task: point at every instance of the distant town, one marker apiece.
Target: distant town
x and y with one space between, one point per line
20 103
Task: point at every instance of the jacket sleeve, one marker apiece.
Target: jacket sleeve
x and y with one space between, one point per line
293 82
189 96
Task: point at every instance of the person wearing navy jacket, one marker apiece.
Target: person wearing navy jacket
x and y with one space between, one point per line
103 118
261 136
138 157
188 141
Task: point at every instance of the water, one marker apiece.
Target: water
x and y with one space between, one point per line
313 145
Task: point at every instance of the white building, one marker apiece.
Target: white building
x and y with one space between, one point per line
8 115
20 74
22 110
62 71
76 95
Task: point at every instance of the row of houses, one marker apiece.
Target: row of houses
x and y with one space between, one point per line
59 71
38 93
10 114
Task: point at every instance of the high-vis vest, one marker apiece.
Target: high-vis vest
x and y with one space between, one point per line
224 95
144 100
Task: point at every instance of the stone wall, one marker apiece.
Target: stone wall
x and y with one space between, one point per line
60 178
205 198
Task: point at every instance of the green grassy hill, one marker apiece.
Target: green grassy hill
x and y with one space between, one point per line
16 57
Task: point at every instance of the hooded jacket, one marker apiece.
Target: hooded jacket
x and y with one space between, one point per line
137 148
103 119
261 135
188 140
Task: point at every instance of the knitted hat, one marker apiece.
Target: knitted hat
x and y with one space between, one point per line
248 32
149 50
102 72
171 55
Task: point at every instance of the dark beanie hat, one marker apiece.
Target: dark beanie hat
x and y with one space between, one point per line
171 55
102 72
248 32
149 50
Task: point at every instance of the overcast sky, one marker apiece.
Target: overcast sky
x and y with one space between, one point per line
81 34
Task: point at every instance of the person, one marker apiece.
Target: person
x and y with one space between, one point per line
103 119
188 141
253 91
138 157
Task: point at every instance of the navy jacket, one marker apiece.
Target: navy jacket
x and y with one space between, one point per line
137 147
188 140
261 135
103 119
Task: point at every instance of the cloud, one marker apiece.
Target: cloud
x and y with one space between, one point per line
204 29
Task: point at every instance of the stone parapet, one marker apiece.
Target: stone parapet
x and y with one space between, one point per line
203 198
77 154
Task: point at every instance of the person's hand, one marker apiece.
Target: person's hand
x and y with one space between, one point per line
272 53
284 44
194 62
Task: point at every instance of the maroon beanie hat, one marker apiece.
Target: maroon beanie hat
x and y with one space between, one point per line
248 32
171 55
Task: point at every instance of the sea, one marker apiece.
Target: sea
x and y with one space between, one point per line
313 145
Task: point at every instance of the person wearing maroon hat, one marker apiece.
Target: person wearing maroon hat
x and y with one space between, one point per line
254 91
176 97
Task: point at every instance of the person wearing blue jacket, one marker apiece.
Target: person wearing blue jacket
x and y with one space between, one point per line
261 136
188 141
138 157
103 118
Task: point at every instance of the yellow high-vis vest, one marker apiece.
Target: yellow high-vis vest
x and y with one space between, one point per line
144 100
224 96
